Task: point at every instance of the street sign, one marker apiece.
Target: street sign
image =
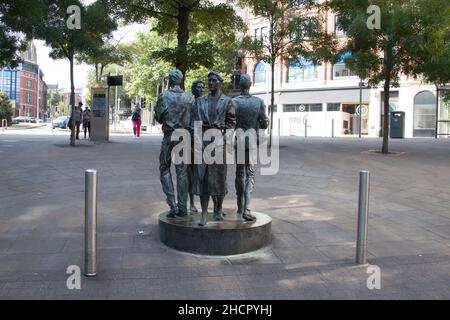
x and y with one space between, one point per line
114 81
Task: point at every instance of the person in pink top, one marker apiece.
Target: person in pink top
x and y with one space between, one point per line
136 118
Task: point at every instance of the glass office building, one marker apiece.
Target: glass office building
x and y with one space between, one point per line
10 84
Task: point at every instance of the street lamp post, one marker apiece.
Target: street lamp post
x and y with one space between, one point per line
361 84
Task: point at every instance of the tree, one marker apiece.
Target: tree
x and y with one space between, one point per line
16 25
146 72
95 26
292 33
397 45
5 108
105 55
54 97
181 17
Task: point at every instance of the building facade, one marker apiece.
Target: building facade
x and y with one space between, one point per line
324 100
25 86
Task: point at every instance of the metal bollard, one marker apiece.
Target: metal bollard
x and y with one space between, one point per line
90 223
363 217
332 128
306 128
4 124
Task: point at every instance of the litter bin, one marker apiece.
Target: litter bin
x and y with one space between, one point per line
397 124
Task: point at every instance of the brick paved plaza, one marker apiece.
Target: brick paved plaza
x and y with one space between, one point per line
312 201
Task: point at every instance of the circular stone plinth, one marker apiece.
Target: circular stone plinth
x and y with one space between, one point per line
228 237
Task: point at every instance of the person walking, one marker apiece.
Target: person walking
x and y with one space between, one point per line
136 119
87 121
78 118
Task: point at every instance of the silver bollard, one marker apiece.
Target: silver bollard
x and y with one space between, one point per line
90 223
4 124
363 217
332 128
306 128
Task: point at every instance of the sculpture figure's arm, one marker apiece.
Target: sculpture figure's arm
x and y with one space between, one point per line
160 110
263 120
230 116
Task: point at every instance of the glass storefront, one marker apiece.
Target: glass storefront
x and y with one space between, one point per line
424 114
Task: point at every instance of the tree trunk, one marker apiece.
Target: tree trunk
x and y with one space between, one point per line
183 38
101 73
97 79
272 100
72 102
436 133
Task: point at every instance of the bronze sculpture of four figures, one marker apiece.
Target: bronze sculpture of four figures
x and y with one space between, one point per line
178 110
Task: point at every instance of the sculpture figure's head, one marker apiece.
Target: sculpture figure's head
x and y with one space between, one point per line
175 78
245 82
197 88
215 81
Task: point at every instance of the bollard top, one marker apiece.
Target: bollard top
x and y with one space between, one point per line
91 171
364 171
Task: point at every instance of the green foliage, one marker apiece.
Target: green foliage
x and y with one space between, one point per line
17 18
186 20
53 97
292 33
5 107
105 55
146 72
412 40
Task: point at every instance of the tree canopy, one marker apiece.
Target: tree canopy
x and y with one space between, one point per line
295 29
184 18
410 40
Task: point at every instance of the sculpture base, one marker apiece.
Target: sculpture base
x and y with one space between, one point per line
228 237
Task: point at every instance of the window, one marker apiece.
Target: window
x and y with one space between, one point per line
29 84
337 28
340 70
260 73
316 107
261 33
29 97
424 114
333 107
301 69
275 109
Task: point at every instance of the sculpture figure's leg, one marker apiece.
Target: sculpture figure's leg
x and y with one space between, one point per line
204 201
190 175
249 184
165 175
182 186
218 215
239 184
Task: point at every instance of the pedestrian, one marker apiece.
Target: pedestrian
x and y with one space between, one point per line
78 118
136 119
87 121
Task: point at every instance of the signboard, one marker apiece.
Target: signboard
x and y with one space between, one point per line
99 120
99 104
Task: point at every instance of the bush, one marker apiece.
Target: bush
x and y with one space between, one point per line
5 108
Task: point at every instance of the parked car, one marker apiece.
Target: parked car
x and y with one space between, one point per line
61 122
35 120
21 119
